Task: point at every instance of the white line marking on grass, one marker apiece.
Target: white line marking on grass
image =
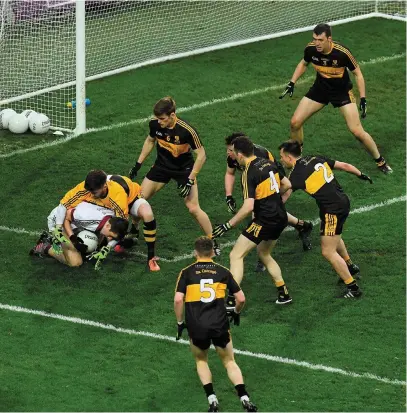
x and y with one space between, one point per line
162 337
182 257
185 109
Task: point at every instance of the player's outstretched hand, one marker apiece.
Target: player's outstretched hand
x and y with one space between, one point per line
58 235
363 107
99 256
133 171
234 317
231 203
185 189
221 229
364 177
288 89
180 328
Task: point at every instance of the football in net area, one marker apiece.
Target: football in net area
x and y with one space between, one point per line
50 49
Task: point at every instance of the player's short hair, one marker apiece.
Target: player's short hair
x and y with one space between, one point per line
119 226
229 139
323 28
244 145
291 147
95 180
165 106
204 246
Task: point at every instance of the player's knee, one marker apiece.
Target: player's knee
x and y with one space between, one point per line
327 252
295 123
193 208
357 131
75 262
235 255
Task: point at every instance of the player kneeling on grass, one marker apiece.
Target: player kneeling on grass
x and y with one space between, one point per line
85 216
203 286
313 174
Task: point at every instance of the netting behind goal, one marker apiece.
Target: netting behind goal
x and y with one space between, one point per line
37 38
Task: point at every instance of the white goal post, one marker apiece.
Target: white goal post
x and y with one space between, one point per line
49 49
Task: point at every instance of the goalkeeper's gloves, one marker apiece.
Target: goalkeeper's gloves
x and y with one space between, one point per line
99 256
231 203
235 317
77 242
180 328
364 177
58 235
133 171
363 107
185 189
288 89
221 229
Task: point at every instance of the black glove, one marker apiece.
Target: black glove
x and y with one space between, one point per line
221 229
235 317
133 171
231 203
363 107
364 177
185 189
181 328
78 244
288 89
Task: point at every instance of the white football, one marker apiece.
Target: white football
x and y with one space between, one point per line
90 239
18 123
39 123
5 116
28 113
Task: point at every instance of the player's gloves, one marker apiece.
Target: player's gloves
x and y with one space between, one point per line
99 256
288 89
185 189
180 328
235 317
58 236
363 107
133 171
231 203
78 244
221 229
364 177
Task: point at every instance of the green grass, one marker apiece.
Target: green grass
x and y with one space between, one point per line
52 365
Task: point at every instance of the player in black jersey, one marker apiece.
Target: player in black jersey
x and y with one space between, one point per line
304 228
202 286
313 174
332 61
261 181
176 142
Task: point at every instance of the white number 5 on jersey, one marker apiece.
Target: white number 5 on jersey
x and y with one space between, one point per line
204 288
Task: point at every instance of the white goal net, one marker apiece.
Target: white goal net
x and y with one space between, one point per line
38 52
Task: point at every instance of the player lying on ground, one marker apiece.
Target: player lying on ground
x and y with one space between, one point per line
202 286
85 216
261 181
331 61
117 193
313 175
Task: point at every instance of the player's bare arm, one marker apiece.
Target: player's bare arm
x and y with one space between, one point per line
148 146
347 167
67 223
199 162
179 306
298 72
244 211
360 81
285 189
229 180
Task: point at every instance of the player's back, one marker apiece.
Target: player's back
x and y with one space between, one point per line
206 283
90 216
261 181
313 173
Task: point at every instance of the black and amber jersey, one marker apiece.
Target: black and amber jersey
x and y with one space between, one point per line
121 191
175 145
332 68
314 175
259 151
204 284
261 181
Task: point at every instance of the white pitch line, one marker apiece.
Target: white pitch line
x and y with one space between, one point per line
185 109
182 257
162 337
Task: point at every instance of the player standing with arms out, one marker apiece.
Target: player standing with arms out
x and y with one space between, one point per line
176 140
331 61
202 287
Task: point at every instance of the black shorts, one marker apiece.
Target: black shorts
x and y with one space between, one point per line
337 98
219 341
159 174
258 232
332 224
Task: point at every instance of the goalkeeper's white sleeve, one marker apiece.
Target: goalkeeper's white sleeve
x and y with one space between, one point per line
60 215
